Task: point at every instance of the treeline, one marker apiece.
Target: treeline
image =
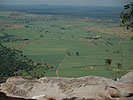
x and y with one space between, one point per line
10 38
14 63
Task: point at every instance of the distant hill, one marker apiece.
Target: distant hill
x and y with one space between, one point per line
112 12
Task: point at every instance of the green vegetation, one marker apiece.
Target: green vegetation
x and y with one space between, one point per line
119 65
86 41
108 62
127 16
13 62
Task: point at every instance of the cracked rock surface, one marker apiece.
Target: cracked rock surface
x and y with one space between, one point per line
83 88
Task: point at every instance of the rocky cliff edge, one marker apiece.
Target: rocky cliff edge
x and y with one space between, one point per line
83 88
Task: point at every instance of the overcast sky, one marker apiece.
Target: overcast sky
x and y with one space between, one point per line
68 2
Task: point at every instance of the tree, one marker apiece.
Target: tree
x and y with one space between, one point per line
126 21
41 35
108 62
119 65
69 54
77 53
127 16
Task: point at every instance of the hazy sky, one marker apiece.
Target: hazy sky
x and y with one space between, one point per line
69 2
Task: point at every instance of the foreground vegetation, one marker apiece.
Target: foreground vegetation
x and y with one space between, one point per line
14 63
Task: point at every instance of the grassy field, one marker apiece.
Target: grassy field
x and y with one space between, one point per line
48 38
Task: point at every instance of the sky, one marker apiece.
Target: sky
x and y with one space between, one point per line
68 2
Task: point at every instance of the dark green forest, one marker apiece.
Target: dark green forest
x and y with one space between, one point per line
14 63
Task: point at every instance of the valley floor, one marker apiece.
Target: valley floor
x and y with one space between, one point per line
75 47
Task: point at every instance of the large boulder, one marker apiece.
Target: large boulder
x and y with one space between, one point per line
51 88
128 78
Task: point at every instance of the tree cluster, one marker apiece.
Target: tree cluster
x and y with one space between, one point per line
127 16
13 62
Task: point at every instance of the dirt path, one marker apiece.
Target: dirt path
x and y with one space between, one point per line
60 65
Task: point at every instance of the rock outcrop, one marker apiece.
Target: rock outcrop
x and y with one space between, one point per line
83 88
128 78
